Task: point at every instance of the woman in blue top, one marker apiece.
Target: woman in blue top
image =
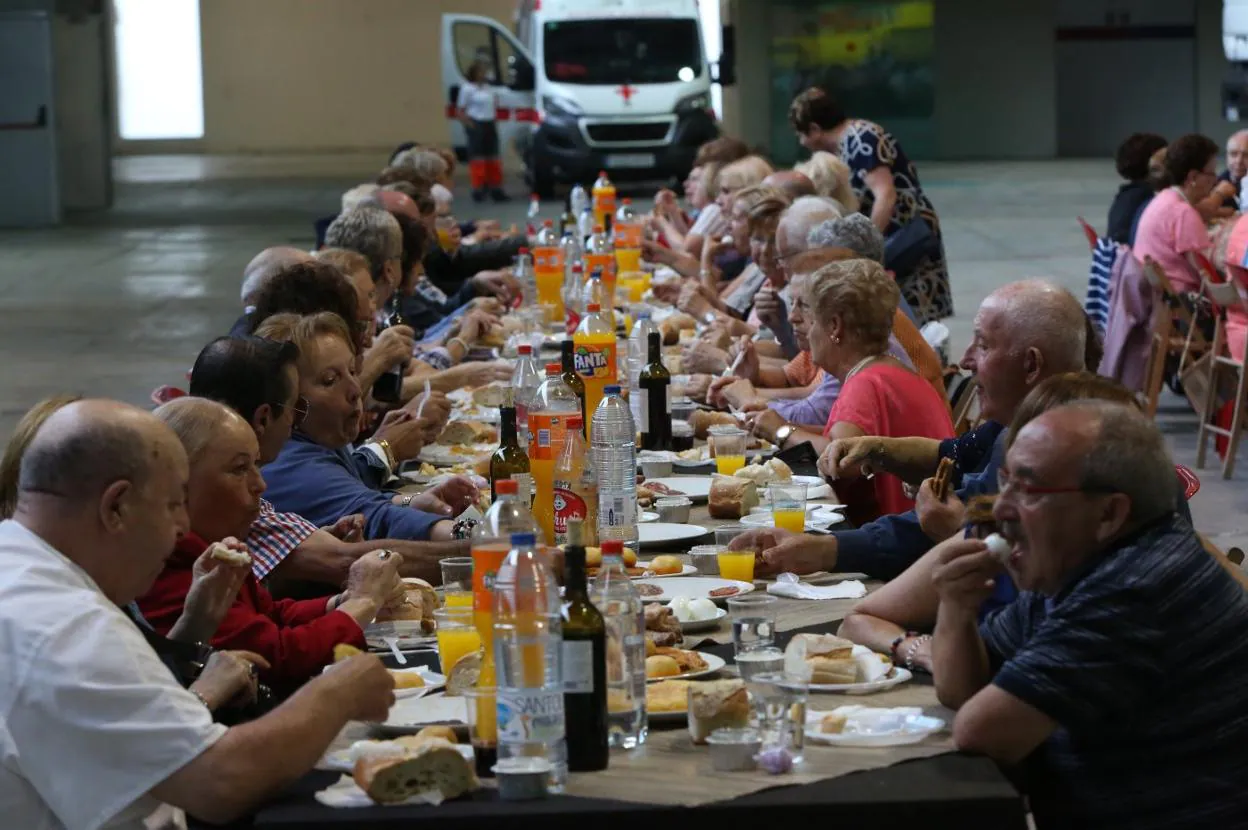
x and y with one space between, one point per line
887 186
315 476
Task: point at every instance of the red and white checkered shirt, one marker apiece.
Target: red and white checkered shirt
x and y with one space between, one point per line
273 536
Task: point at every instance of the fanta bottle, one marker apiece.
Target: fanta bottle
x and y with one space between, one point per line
604 199
548 270
549 414
627 236
600 256
595 357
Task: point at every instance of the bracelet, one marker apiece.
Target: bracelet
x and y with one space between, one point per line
457 339
202 699
901 638
389 453
462 529
914 649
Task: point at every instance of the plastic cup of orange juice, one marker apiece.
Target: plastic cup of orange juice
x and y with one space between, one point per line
788 506
457 635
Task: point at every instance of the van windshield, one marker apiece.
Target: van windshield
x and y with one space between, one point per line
628 51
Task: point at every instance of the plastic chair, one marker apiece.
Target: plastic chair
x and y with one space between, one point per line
1088 231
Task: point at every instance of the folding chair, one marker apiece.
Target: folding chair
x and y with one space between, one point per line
1223 294
1171 320
1088 231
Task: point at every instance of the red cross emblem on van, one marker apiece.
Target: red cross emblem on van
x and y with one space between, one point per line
626 92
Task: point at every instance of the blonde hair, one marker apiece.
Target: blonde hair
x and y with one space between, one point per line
348 262
861 294
196 422
424 161
763 207
830 176
23 433
303 331
747 172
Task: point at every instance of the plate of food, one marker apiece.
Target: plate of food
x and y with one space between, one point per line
668 533
691 587
647 516
667 701
446 455
697 488
416 681
827 663
699 456
816 488
679 664
869 726
343 760
666 566
696 615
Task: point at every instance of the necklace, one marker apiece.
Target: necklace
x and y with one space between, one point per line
860 365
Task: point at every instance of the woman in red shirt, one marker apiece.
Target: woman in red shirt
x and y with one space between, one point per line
852 306
296 637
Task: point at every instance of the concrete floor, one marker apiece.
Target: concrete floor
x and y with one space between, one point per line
117 303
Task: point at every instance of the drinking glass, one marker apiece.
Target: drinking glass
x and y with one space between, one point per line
706 559
724 534
729 446
482 708
457 635
457 581
736 564
788 506
753 622
779 704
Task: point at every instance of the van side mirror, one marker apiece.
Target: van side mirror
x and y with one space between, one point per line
724 72
520 74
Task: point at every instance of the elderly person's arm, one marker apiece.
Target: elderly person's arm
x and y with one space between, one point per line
910 459
326 559
880 182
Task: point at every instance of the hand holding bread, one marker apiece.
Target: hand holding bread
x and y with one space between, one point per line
216 578
939 518
965 574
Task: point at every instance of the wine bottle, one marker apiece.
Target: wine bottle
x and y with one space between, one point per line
584 663
510 460
572 379
654 382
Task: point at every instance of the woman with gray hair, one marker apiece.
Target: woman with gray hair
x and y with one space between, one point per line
856 233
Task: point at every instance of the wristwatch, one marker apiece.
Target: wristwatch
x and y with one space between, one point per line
783 433
406 501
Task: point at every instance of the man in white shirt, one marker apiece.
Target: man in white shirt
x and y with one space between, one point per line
94 730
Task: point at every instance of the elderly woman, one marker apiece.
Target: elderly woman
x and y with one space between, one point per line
701 186
315 476
896 618
1170 226
887 186
296 638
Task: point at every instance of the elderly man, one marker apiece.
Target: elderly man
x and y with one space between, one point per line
96 731
258 272
1231 180
1119 671
791 183
373 232
1024 332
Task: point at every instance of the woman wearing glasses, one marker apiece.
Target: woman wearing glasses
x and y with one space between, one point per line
1170 226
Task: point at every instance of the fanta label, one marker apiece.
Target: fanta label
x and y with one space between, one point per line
595 362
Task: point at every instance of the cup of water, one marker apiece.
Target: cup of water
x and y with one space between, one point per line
753 622
779 705
758 661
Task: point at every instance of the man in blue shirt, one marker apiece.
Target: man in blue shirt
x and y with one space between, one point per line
1024 332
1118 673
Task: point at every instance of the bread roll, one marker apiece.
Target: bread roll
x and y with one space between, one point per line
832 724
661 665
832 670
464 674
436 766
445 733
821 645
718 704
229 555
731 497
493 394
702 420
407 680
467 432
687 660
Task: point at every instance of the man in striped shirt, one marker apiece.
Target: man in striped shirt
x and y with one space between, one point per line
1116 677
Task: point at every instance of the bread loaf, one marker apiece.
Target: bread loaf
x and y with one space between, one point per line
493 394
467 432
731 497
718 704
832 670
435 766
464 674
702 420
661 665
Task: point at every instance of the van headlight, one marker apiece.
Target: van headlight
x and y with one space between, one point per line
556 105
701 101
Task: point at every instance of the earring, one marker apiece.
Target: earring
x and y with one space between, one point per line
836 339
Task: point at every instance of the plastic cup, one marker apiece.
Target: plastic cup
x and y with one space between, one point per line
788 506
724 534
457 581
729 448
483 727
736 564
706 559
457 635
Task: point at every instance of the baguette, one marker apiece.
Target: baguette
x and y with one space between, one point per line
701 420
434 766
228 555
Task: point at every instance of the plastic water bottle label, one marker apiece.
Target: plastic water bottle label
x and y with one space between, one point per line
530 716
616 511
578 666
638 402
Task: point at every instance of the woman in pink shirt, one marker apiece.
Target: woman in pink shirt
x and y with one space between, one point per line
853 304
1170 226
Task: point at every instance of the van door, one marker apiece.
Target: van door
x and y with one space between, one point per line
469 38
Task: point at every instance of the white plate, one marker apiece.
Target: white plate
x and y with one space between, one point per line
820 520
482 414
410 634
895 677
696 626
444 455
693 587
414 712
816 488
713 664
697 488
667 533
647 516
433 682
704 456
686 570
867 726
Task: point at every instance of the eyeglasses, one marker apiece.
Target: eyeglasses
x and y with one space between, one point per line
301 409
1005 481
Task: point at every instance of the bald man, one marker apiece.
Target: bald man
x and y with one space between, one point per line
1236 169
260 270
96 731
1024 332
791 183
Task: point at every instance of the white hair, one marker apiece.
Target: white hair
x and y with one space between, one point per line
196 421
442 197
830 177
425 162
361 194
1040 314
803 216
264 265
854 232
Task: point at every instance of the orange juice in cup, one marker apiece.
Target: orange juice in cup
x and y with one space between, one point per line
457 635
736 564
788 506
458 599
457 581
728 444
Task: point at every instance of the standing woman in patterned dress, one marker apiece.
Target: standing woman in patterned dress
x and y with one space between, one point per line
887 185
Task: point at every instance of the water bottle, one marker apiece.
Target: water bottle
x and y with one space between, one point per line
528 647
527 277
616 598
613 436
525 379
594 291
573 299
585 224
535 207
638 355
578 201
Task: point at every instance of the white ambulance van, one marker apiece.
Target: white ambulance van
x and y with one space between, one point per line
588 85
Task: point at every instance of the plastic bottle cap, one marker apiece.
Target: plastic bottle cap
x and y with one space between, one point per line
597 228
524 348
535 196
506 487
609 546
576 266
554 369
592 307
575 422
602 174
523 539
550 223
613 389
627 200
524 250
643 315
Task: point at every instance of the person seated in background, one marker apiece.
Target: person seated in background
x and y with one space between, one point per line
259 380
1228 192
701 187
295 637
1131 161
314 474
831 179
1117 673
1024 332
258 272
100 506
1171 227
450 264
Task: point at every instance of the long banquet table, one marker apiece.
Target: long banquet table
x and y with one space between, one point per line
669 780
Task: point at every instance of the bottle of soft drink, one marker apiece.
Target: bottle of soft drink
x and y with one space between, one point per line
576 487
552 407
626 233
525 379
594 354
638 354
578 200
523 270
595 291
548 271
616 597
528 647
600 256
573 296
604 198
491 542
613 436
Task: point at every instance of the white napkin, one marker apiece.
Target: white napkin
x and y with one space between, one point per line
346 793
790 586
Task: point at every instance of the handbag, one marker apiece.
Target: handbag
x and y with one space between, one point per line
909 245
